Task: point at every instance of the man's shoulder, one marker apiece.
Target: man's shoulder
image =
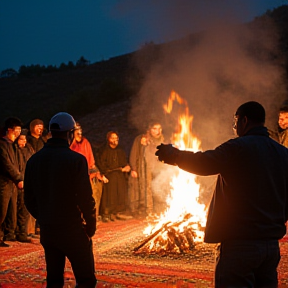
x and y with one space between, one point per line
4 144
3 141
60 153
29 137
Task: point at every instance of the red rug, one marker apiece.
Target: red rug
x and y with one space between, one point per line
23 265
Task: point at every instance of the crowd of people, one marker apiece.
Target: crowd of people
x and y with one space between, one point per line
61 169
121 184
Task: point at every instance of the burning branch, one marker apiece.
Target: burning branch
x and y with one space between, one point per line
151 236
170 238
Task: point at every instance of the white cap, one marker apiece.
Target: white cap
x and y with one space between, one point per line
62 121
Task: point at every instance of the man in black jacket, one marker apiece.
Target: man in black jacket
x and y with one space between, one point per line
249 207
10 180
59 195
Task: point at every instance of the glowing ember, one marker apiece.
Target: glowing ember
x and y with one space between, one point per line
181 225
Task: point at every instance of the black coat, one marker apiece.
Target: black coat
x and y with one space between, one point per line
9 169
23 155
250 200
36 143
57 187
110 161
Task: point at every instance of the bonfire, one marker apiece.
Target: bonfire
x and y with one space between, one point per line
182 225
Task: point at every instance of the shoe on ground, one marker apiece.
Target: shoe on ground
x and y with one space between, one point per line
125 216
112 217
120 217
35 236
23 239
106 219
3 244
9 237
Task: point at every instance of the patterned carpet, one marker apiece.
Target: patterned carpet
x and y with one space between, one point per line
23 265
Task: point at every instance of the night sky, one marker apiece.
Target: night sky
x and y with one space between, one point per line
58 31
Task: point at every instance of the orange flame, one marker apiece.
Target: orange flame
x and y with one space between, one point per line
184 198
183 138
173 96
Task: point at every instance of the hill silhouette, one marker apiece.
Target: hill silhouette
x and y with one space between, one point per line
125 92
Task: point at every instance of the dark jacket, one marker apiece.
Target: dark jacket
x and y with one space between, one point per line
57 187
23 155
136 156
9 170
250 200
36 143
110 159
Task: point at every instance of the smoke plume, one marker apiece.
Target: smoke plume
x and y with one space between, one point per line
215 70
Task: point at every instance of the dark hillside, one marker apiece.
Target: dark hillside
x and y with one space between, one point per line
100 95
42 96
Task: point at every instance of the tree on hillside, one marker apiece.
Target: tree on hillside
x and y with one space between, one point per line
70 65
8 73
82 62
32 70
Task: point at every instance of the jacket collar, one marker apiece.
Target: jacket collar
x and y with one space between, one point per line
57 142
260 131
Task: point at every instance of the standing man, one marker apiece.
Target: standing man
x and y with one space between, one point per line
35 139
59 195
112 162
10 179
249 207
283 126
144 198
155 195
137 182
81 145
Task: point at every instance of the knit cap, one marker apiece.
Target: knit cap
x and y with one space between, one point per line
35 122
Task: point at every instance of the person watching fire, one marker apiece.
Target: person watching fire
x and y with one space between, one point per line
10 179
249 208
145 199
283 125
81 145
65 208
112 162
34 137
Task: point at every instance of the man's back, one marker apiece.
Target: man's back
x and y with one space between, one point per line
249 208
58 177
252 188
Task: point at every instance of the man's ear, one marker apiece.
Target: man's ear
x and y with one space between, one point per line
245 120
70 136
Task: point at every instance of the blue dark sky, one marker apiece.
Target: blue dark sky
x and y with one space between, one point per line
51 32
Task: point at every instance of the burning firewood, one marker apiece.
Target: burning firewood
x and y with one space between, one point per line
150 237
170 238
